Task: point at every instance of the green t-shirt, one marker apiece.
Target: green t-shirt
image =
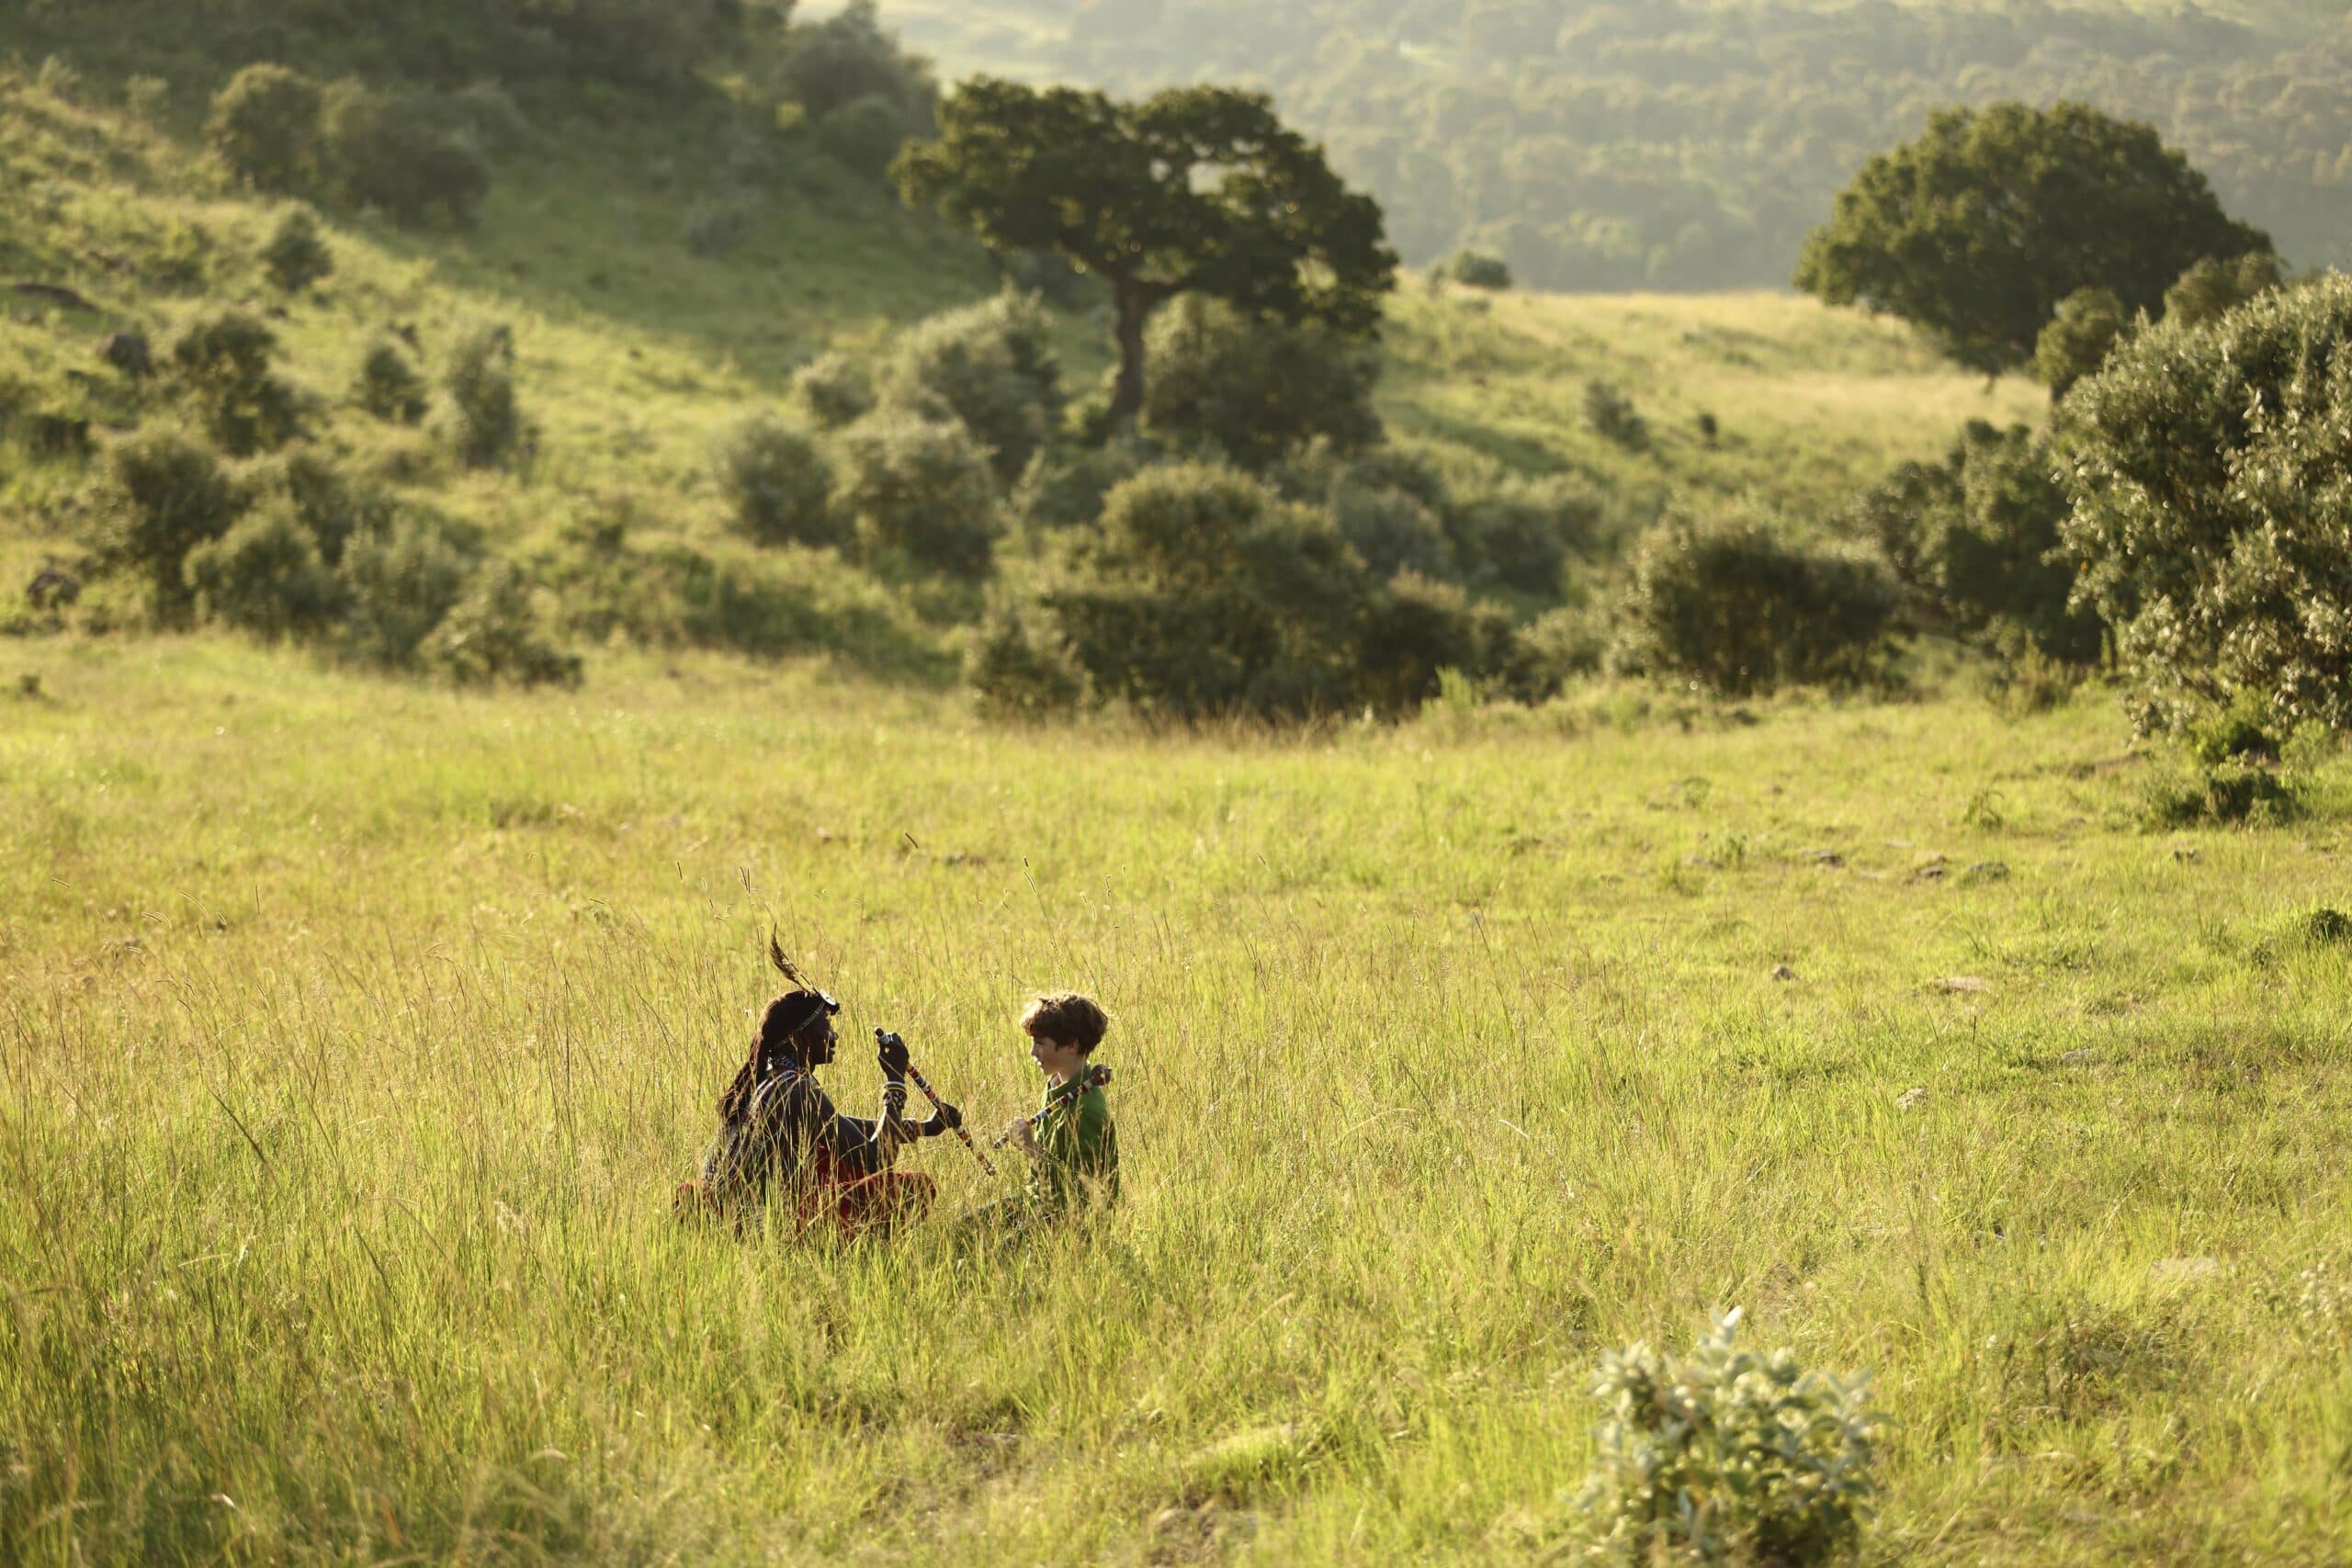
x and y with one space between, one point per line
1081 1149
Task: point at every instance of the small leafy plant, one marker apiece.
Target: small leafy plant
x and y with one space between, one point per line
1726 1456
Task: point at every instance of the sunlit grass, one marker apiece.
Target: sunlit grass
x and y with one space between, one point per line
354 1034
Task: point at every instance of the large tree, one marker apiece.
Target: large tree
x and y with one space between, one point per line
1194 190
1978 230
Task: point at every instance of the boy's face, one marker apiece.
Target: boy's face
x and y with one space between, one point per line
1057 1061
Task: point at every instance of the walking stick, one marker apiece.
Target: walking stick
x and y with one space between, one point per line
914 1077
1093 1077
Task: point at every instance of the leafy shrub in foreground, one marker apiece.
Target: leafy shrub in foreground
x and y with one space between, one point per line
918 490
1520 536
485 421
1740 609
1726 1456
265 576
265 126
2207 470
1064 486
2214 287
835 389
297 256
993 367
2187 793
1016 674
222 365
1255 390
778 483
402 578
162 493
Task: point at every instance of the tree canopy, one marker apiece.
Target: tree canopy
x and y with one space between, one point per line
1193 190
1978 231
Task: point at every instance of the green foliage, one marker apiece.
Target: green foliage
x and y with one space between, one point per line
835 391
1193 190
2089 322
297 256
403 578
493 634
1739 608
396 152
485 421
1520 536
161 494
1975 231
1255 390
390 387
1975 539
1609 414
322 499
264 125
921 492
778 483
851 59
991 366
1065 486
222 364
864 134
1478 269
1015 675
2237 792
266 576
1726 1456
2208 468
2214 287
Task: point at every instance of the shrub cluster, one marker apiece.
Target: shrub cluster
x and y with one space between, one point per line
865 96
222 365
1609 414
485 421
1254 391
2205 467
1741 609
920 493
289 549
992 367
1975 541
778 483
409 155
1478 269
296 257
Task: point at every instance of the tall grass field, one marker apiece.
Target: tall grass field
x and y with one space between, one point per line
354 1034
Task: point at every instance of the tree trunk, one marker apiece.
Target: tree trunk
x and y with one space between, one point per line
1134 309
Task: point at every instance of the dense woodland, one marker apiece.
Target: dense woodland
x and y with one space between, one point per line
1652 143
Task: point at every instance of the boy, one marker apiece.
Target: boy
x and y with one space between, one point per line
1072 1146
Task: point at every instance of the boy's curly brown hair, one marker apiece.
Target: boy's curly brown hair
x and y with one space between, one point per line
1066 1018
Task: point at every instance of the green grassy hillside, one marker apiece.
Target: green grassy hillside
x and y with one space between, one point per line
637 352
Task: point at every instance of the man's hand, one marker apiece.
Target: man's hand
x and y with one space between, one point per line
946 1121
892 1051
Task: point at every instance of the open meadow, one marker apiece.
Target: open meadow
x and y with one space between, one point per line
353 1034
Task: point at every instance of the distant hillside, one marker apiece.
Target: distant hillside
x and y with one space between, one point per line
1674 144
641 342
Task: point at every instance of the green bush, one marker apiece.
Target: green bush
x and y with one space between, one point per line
296 256
864 134
1393 532
1520 536
835 389
492 634
2089 322
1725 1456
778 483
2206 466
1609 414
266 576
1064 486
1016 675
401 580
222 365
2186 793
2213 287
1738 608
849 56
390 385
1414 631
920 491
1255 390
264 125
324 500
397 154
1478 269
161 494
485 423
1974 540
1203 593
993 367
